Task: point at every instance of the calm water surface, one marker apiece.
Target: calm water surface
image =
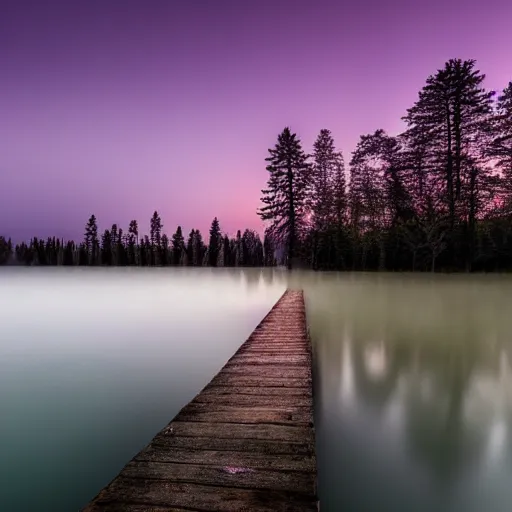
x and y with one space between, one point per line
94 362
413 392
413 380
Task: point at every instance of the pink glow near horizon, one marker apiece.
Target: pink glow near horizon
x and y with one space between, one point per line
121 108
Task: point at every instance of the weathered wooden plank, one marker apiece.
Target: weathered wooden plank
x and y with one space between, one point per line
269 353
160 493
234 458
265 446
255 400
256 390
269 371
251 381
127 507
248 415
291 433
224 476
245 443
258 359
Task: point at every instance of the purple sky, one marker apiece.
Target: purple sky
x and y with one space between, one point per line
119 108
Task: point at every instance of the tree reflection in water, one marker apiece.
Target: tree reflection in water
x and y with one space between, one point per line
413 390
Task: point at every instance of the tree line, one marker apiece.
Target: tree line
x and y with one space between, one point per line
436 197
114 247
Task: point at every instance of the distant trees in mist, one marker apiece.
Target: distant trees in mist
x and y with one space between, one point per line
438 196
116 247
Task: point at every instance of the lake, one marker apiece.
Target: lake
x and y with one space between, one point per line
412 378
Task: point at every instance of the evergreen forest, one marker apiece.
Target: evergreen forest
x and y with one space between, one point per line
437 197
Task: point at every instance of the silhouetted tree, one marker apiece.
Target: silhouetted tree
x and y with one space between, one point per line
5 250
190 246
268 250
501 147
285 197
239 251
91 241
214 244
106 248
133 242
178 246
69 254
455 111
198 249
83 255
166 253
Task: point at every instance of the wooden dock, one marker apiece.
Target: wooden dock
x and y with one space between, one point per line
246 442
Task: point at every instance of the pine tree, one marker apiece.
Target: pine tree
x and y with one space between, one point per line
252 248
501 147
190 246
106 248
339 215
239 252
221 262
155 238
83 255
184 259
454 111
451 110
69 254
133 242
143 253
328 200
178 246
368 198
198 249
166 253
325 163
121 252
91 241
114 240
214 244
226 248
5 250
285 197
268 249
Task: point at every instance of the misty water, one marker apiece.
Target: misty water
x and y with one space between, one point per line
412 378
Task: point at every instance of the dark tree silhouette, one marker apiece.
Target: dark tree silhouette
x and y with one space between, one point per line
165 251
178 246
143 253
327 200
190 247
69 254
156 238
436 197
198 249
215 242
5 250
285 197
500 148
106 248
456 112
268 250
91 241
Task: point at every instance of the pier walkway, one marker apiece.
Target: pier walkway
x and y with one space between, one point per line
246 442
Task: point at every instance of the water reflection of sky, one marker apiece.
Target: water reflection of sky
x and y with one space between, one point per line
94 362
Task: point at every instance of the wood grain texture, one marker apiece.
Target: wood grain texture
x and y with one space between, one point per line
246 442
